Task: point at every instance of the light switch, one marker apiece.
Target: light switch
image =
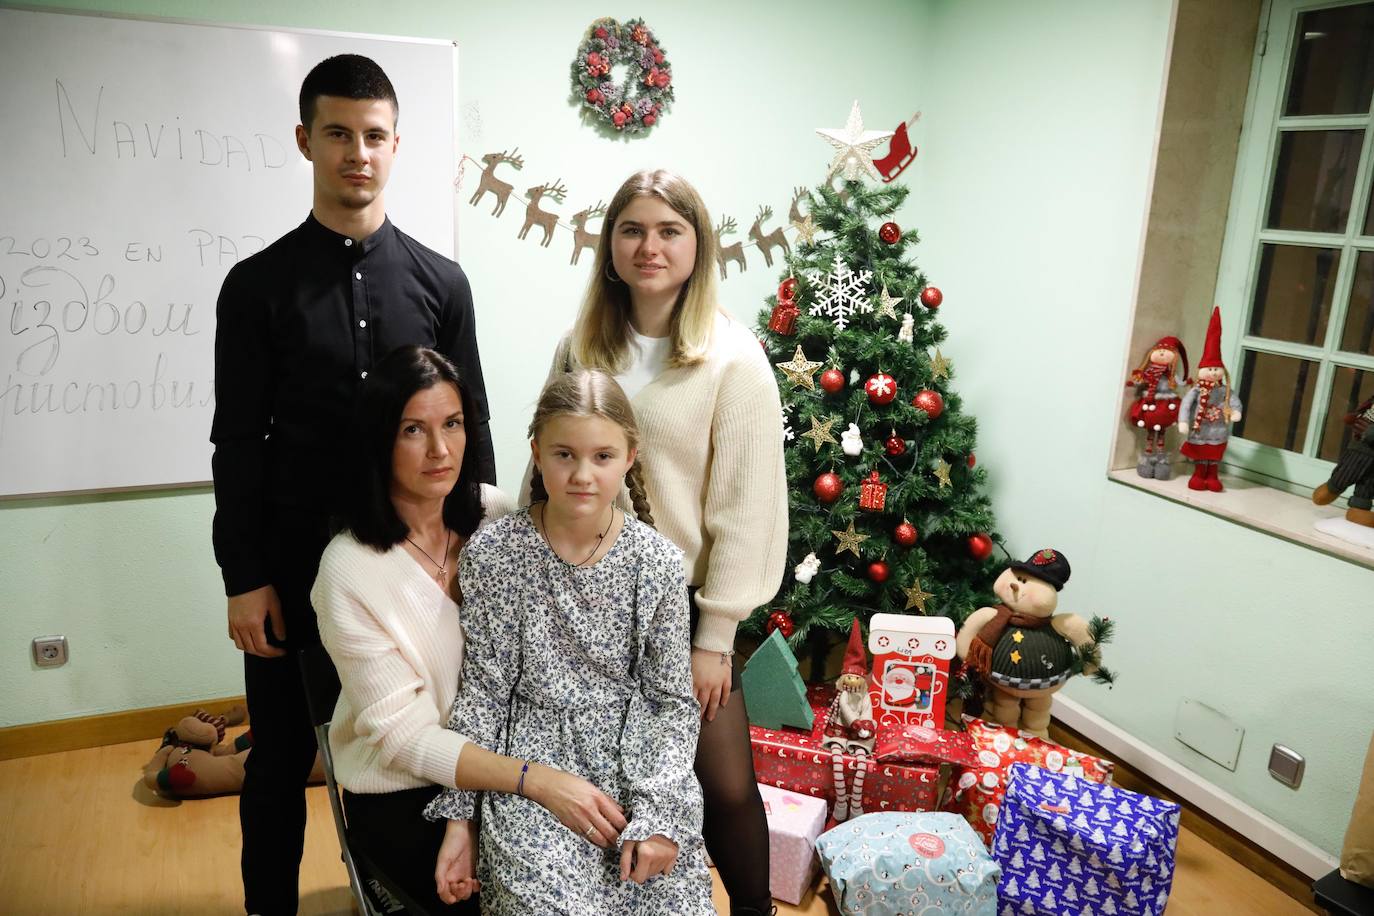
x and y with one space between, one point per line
1286 765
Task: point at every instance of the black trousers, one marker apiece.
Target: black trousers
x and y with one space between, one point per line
391 829
272 804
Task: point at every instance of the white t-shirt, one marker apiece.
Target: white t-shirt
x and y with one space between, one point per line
648 357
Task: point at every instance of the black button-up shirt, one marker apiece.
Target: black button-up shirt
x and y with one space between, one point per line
300 324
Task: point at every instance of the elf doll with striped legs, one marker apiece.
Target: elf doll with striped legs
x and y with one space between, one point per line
1207 412
850 726
1155 407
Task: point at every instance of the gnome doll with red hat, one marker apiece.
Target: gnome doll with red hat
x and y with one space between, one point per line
1155 408
850 726
1207 411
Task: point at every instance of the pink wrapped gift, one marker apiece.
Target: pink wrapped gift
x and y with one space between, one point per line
794 822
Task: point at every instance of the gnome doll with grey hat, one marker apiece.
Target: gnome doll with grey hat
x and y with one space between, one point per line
1026 652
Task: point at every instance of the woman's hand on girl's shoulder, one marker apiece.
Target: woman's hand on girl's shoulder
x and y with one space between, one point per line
640 860
454 877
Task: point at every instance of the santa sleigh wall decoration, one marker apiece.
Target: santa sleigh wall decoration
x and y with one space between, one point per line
900 152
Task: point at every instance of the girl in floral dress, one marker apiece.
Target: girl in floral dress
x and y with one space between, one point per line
576 624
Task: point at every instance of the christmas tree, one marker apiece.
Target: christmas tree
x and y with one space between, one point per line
887 507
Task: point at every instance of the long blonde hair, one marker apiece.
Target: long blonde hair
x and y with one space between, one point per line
601 336
590 393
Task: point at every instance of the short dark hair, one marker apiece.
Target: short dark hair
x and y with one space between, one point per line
368 511
347 76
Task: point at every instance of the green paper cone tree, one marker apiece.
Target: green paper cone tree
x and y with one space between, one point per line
773 691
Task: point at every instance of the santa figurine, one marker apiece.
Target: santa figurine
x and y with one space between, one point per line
1207 412
1155 408
850 726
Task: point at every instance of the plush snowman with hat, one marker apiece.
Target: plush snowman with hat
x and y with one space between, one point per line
1023 649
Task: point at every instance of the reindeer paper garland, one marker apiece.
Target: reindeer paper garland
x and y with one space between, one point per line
584 239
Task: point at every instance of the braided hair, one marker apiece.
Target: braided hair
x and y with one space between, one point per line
590 393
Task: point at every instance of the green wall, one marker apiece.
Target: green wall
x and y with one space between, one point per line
1030 195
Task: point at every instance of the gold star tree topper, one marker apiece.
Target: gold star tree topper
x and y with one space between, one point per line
799 371
853 147
849 540
819 433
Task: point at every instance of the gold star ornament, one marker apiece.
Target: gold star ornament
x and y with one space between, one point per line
806 229
849 540
916 596
853 147
887 304
799 371
942 473
819 433
939 366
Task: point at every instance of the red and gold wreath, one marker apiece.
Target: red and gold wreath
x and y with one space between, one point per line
640 100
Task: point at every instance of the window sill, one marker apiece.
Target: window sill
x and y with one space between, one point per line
1262 508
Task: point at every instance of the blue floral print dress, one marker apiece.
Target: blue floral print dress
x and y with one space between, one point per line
586 669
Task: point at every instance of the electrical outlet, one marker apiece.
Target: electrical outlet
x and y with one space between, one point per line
50 651
1286 765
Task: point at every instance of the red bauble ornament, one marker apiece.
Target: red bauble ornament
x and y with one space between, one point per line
832 380
929 401
980 546
931 297
780 620
787 289
878 571
828 487
895 445
881 388
905 534
890 233
972 460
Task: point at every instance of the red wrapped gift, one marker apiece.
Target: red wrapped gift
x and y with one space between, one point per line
919 744
977 793
796 760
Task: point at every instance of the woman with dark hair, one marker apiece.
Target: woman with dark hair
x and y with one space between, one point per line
387 600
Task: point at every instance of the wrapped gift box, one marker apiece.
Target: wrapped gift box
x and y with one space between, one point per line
1069 846
978 791
794 822
919 744
797 761
903 863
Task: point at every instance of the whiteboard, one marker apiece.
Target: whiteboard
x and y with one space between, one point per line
144 159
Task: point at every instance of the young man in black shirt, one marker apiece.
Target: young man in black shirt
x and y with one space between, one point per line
299 326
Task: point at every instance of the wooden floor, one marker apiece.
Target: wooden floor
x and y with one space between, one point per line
81 835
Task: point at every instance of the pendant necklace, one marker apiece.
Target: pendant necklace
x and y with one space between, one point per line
543 530
439 576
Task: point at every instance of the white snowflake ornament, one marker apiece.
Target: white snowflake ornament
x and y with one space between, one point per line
841 293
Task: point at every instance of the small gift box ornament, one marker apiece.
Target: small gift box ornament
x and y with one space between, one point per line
872 493
784 318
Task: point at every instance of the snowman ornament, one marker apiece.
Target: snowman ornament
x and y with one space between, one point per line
850 443
908 329
806 570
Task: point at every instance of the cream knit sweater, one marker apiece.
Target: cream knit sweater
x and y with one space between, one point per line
711 448
394 637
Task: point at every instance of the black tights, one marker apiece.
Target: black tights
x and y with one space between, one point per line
734 827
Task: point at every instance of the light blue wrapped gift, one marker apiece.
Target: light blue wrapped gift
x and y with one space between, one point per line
908 862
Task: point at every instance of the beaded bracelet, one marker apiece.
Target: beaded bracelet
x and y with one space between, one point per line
520 786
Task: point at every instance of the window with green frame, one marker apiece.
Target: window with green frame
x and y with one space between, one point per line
1296 283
